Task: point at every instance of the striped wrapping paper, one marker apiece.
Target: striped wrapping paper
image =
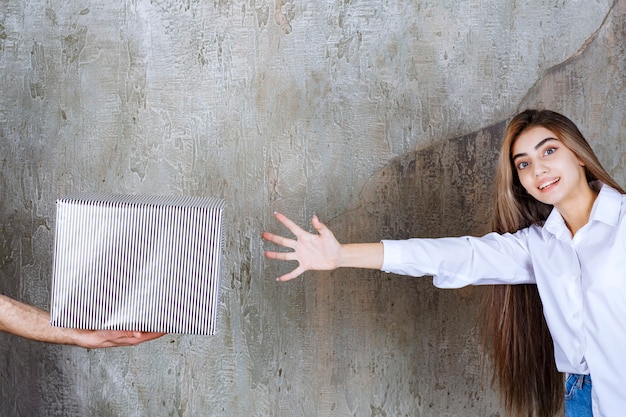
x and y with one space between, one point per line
132 262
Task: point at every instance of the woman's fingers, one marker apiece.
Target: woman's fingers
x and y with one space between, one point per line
279 240
291 275
312 251
281 256
320 227
289 224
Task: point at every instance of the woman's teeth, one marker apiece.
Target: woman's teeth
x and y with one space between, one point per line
547 184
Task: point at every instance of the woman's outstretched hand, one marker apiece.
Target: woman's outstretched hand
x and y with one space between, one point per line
312 251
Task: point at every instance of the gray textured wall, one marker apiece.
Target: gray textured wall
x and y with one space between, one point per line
381 117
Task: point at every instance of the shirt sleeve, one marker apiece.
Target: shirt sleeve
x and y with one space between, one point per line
460 261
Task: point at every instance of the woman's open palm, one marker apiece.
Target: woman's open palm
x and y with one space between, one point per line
312 251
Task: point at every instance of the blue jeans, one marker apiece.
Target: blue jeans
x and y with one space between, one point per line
578 396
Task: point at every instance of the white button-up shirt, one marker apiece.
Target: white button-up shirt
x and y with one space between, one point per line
581 281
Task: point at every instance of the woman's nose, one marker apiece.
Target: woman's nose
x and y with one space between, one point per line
540 169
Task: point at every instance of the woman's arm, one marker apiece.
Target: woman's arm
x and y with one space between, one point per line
321 251
453 262
32 323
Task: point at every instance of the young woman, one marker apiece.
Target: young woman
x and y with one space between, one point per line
557 250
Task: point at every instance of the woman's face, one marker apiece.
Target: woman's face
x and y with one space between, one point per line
547 169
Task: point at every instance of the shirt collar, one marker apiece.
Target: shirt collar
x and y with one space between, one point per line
605 209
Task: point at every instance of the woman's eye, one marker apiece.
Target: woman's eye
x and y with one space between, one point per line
550 151
522 165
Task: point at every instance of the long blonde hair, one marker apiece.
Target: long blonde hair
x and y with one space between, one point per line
515 334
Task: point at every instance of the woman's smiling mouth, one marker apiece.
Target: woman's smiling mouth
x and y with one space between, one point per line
547 184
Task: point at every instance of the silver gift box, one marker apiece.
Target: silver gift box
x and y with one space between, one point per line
142 263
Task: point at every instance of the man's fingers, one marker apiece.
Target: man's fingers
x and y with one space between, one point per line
145 336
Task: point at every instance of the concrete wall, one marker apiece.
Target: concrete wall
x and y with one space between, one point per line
382 117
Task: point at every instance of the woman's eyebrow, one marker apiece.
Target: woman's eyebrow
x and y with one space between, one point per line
537 146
